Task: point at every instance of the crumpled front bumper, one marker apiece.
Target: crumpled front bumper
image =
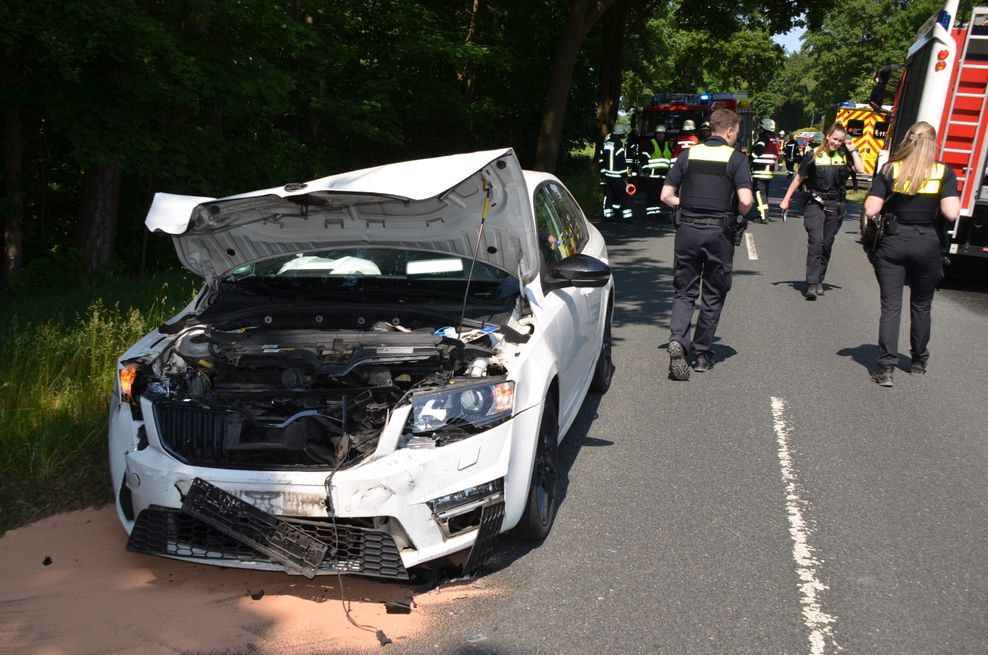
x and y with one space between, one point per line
382 524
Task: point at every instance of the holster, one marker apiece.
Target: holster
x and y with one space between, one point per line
735 228
677 216
890 225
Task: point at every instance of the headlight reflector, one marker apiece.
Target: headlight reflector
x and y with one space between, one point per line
457 411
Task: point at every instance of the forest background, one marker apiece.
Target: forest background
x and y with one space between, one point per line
107 102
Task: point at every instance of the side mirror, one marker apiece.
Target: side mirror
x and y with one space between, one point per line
578 270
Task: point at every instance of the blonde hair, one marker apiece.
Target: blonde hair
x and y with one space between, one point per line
830 130
916 156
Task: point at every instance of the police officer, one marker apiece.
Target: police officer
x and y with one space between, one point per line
909 192
764 156
655 159
709 186
825 170
613 167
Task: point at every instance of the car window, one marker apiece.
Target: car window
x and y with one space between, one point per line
561 229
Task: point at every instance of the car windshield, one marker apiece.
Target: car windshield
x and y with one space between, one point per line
353 271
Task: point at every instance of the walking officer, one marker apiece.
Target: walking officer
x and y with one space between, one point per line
656 159
709 189
825 170
909 192
613 167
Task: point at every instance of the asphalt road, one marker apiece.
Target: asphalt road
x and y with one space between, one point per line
781 503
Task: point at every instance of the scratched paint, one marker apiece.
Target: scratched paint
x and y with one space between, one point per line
817 620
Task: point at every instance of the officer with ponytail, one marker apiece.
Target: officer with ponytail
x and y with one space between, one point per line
709 189
912 189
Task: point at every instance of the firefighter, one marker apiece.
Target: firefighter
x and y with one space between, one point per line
791 153
704 130
911 189
709 188
764 157
687 138
825 170
632 149
613 168
655 160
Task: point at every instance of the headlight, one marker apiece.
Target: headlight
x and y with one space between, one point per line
127 379
456 412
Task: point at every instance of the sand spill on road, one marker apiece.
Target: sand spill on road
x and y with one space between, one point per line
68 585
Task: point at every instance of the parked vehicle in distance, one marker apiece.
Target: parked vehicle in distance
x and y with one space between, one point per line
375 374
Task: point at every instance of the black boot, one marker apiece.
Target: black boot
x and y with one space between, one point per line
883 377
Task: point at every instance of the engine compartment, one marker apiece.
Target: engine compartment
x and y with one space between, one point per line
283 399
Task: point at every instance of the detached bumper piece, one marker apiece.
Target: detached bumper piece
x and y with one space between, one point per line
490 527
267 534
348 548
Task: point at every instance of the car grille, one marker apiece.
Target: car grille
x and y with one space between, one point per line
359 550
192 434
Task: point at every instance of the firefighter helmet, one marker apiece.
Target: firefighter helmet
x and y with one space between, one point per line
705 125
688 125
768 124
620 130
660 129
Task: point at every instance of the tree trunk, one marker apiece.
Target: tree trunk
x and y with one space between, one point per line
13 230
582 17
609 73
97 227
466 76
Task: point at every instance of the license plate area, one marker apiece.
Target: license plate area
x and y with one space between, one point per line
299 552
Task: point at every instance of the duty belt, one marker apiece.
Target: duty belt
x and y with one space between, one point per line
718 222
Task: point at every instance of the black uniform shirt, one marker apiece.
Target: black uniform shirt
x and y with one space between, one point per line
737 171
919 209
825 179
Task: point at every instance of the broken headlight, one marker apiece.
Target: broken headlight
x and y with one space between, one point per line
456 412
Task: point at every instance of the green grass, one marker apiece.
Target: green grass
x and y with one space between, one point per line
579 174
58 349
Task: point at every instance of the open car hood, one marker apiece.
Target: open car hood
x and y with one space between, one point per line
428 204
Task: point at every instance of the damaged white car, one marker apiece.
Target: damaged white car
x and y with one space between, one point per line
376 373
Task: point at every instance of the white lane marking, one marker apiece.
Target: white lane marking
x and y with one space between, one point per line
819 623
749 243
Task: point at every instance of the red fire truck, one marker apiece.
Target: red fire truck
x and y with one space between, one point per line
672 109
943 82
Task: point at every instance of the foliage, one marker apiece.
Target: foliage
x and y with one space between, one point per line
58 371
838 61
675 54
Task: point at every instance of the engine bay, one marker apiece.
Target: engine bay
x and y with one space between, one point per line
273 399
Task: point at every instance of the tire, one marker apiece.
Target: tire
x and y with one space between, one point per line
604 370
541 505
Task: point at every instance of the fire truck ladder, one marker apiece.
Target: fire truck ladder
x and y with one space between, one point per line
965 133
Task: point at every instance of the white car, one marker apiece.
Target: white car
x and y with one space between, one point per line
375 374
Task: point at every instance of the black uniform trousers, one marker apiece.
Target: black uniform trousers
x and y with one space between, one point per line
616 201
912 256
821 228
703 254
652 187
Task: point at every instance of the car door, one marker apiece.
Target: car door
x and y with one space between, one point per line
576 311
